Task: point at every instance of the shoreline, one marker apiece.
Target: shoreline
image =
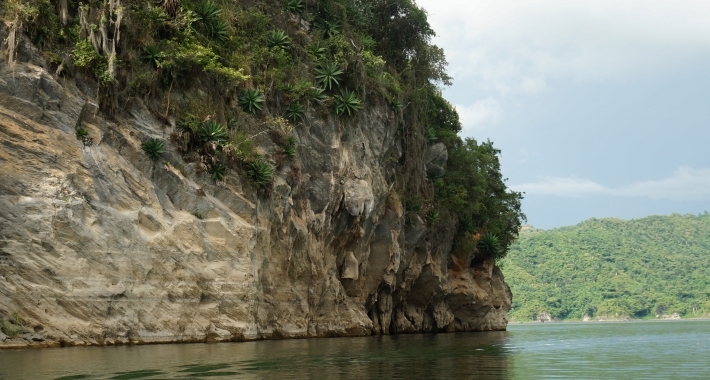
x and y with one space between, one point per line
609 320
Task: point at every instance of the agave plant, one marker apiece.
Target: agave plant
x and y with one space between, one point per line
151 55
212 131
295 112
432 217
260 172
316 50
327 74
329 28
251 100
207 11
218 30
209 14
317 94
81 133
153 148
490 245
290 147
294 6
217 172
277 38
347 102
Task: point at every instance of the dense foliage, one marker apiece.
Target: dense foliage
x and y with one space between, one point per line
613 268
257 62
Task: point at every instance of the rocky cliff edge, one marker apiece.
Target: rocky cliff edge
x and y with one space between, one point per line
99 245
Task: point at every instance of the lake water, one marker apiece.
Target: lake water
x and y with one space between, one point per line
623 350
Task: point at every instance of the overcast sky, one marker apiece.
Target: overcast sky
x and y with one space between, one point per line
601 108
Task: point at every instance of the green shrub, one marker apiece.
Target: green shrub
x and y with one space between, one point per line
251 100
212 131
153 148
209 14
294 6
290 147
327 74
151 55
316 50
328 28
188 123
217 172
260 172
432 217
347 102
295 112
489 245
317 94
278 39
81 133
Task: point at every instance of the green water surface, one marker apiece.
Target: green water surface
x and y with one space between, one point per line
622 350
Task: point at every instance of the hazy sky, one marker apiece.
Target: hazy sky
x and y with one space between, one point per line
601 108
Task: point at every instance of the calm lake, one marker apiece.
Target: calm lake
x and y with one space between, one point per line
623 350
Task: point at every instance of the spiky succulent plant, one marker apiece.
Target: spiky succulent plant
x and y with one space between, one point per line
260 172
290 147
217 172
347 102
295 112
212 131
81 133
151 55
153 148
294 6
489 244
251 100
327 74
277 38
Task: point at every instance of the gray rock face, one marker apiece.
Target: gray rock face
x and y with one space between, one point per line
436 160
100 245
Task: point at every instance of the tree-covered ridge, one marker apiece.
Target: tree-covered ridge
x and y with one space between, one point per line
222 72
611 268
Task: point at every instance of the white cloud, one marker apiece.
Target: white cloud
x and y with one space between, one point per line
481 113
517 46
686 184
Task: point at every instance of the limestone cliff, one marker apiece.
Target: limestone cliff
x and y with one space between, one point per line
99 245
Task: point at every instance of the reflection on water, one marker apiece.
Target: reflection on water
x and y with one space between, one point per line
630 350
443 356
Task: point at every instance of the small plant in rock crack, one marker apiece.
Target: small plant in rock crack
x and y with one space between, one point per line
153 148
212 131
151 55
81 133
432 217
489 244
327 74
295 112
278 39
294 6
251 100
217 172
347 103
290 147
260 172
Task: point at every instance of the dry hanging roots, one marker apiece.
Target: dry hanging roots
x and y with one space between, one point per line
171 7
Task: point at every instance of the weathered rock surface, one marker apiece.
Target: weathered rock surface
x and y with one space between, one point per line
99 245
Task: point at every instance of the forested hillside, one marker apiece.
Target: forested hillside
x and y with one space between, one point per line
611 268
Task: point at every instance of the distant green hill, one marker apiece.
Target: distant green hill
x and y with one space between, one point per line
611 268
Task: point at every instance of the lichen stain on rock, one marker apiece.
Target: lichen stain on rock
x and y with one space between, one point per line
100 245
